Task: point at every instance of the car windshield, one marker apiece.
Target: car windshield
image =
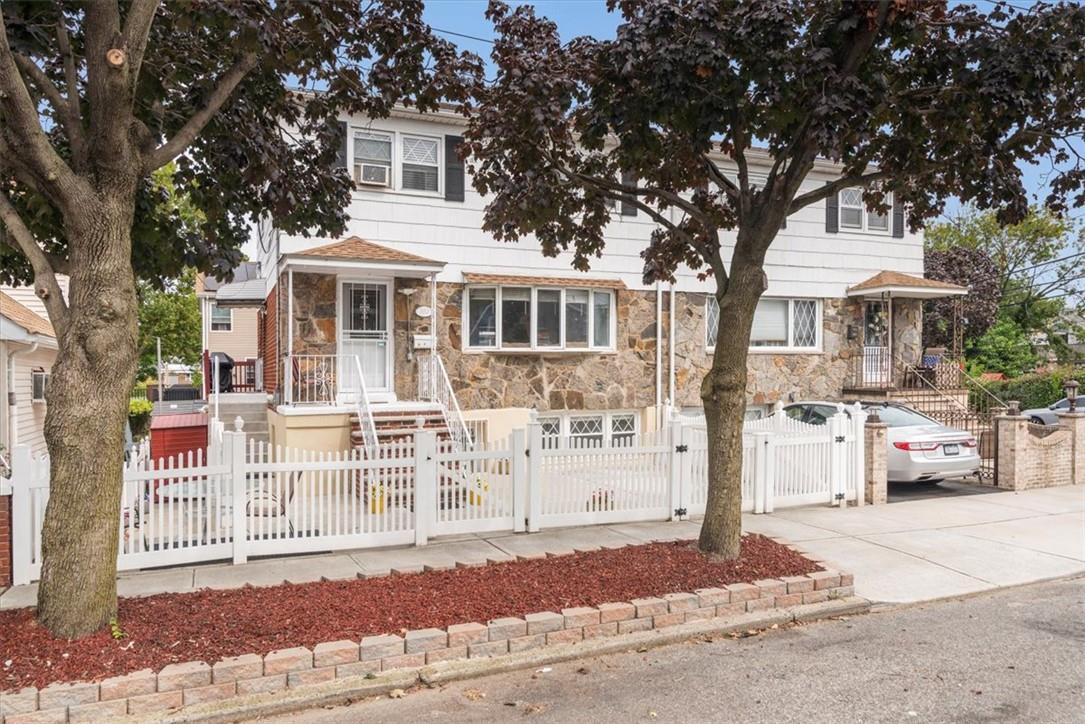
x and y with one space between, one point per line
900 416
1064 403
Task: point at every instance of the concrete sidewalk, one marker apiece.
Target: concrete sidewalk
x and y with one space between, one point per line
902 552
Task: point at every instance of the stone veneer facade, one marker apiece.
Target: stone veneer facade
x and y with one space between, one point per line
619 380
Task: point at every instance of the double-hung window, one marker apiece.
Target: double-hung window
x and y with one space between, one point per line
420 163
855 215
39 381
222 320
539 318
372 158
778 324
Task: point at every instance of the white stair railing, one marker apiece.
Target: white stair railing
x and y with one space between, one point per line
434 386
365 413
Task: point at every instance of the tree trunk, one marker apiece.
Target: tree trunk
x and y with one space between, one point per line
87 403
723 392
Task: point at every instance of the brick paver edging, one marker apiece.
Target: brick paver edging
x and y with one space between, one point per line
196 682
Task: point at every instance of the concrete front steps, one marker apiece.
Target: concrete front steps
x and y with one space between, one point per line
398 421
251 407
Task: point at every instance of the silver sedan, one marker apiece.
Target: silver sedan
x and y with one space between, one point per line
920 449
1047 415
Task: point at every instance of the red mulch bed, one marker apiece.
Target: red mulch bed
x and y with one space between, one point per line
209 625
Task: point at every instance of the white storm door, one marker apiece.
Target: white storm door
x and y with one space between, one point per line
364 323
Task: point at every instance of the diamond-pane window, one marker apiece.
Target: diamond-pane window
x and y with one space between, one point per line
622 429
420 164
712 321
586 431
551 432
804 314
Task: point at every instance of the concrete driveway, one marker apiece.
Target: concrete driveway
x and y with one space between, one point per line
942 546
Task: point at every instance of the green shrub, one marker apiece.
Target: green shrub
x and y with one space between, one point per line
139 416
1036 390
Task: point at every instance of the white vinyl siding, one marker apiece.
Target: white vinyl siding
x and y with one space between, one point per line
30 416
781 325
539 318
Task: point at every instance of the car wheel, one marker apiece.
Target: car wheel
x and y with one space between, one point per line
1036 420
930 481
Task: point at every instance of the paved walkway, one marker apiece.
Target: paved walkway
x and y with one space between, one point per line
902 552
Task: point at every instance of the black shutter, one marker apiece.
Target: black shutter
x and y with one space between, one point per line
628 209
832 213
898 219
341 158
454 182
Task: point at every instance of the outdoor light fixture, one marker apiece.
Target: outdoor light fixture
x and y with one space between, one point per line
1070 386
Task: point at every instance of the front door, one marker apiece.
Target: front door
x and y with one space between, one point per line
876 362
365 345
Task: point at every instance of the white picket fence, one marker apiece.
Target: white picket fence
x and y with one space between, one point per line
246 498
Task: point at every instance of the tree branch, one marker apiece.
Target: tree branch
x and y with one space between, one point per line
45 280
829 189
76 137
721 179
137 30
175 146
21 119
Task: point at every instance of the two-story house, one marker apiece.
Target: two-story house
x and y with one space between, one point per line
416 312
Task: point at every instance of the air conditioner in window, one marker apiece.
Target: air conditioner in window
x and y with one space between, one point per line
372 174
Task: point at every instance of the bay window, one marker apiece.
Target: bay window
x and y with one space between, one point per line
539 318
778 324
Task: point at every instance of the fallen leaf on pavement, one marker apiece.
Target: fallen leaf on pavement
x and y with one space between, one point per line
473 694
396 694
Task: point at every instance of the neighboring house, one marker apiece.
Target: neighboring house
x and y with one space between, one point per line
230 315
28 348
434 316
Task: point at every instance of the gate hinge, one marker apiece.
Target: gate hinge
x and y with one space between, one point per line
681 448
680 512
839 438
527 452
839 496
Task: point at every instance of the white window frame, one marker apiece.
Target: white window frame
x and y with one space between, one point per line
392 141
211 320
790 347
36 375
533 345
864 216
565 418
397 158
395 183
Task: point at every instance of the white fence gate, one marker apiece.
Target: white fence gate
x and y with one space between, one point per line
246 498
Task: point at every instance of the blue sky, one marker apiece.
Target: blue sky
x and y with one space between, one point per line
587 17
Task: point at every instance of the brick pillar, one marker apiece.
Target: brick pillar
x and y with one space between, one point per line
1012 432
5 541
1075 423
875 468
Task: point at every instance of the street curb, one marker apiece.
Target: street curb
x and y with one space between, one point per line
887 606
345 690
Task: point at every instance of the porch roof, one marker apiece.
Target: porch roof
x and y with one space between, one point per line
24 317
898 284
357 253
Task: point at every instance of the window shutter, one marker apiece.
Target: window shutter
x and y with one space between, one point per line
898 219
832 213
628 209
341 157
454 180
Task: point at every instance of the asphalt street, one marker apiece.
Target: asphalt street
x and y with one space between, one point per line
1015 655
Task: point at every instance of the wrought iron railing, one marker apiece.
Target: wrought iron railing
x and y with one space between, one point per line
434 386
330 379
878 369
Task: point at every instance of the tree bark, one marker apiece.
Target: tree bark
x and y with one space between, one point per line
87 403
723 392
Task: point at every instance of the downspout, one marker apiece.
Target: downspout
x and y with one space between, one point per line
13 407
670 344
659 356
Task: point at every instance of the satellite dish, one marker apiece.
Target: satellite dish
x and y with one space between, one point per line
424 312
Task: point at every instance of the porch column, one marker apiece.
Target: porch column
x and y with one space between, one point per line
289 312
